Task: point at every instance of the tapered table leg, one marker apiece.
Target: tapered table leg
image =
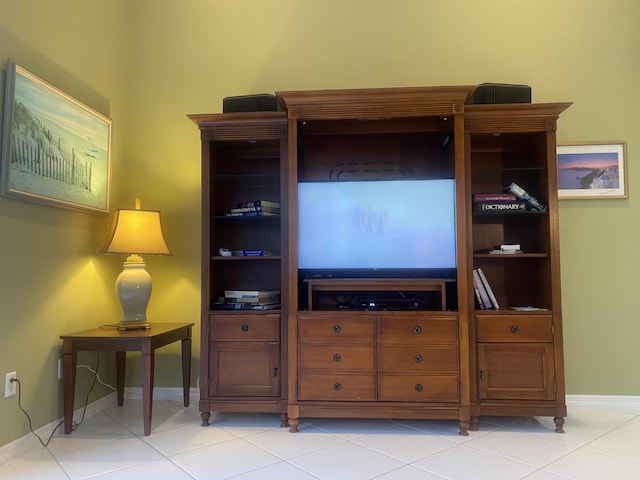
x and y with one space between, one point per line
69 365
148 363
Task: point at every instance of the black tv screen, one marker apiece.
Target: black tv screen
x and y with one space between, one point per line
377 225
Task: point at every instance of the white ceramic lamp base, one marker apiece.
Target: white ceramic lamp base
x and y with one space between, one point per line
133 287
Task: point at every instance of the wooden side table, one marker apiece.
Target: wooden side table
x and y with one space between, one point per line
121 342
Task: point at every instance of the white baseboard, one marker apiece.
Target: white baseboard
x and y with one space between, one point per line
627 403
164 393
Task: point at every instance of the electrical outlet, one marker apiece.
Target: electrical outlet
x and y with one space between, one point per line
9 386
59 369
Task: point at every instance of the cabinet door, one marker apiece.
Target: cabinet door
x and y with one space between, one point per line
515 371
244 369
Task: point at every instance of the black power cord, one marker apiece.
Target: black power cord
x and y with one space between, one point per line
75 424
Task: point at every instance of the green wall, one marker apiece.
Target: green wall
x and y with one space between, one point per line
148 63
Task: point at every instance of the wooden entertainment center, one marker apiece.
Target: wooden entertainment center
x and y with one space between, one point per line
433 349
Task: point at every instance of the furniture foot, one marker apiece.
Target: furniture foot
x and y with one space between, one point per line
464 429
559 424
283 420
293 425
473 426
205 416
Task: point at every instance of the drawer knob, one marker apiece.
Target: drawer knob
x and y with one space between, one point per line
337 357
418 358
514 328
244 327
417 329
337 329
337 387
418 387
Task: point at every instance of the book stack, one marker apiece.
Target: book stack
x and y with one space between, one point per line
256 208
514 198
485 298
249 300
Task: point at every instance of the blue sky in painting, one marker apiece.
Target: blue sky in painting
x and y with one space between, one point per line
587 160
60 109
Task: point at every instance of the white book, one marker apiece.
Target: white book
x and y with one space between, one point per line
492 297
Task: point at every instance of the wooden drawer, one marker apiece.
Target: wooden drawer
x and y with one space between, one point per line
418 388
336 386
418 329
419 359
336 329
244 328
514 328
337 357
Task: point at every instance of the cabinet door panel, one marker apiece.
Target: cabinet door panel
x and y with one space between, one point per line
237 368
516 371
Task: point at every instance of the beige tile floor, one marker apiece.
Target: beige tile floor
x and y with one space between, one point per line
599 444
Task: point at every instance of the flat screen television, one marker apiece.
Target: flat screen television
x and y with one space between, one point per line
377 228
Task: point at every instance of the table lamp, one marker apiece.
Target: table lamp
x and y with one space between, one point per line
134 233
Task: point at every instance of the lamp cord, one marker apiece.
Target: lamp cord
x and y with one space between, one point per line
75 424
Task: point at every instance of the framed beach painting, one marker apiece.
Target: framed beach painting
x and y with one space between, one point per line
592 170
55 150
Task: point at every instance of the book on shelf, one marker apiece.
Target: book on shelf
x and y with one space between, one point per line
484 296
257 208
526 197
528 308
258 252
254 252
500 206
494 197
252 214
260 203
251 293
245 306
231 306
489 290
267 306
252 300
476 291
506 249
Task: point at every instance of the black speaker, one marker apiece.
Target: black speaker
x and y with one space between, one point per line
500 93
264 102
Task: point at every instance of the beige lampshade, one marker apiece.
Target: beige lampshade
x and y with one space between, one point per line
136 232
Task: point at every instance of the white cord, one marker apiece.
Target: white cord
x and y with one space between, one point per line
97 376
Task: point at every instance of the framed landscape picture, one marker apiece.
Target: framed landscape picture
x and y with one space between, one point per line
55 150
592 170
